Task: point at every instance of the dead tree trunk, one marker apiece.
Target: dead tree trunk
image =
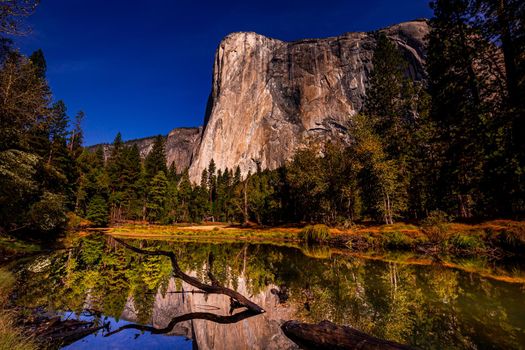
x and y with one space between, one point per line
327 335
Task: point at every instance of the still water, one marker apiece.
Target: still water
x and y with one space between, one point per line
423 304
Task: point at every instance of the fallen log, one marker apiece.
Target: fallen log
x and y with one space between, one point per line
327 335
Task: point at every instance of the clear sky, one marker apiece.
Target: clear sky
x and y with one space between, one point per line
144 67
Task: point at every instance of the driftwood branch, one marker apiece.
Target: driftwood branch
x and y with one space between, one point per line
187 317
211 289
327 335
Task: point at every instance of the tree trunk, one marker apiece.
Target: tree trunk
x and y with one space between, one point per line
327 335
508 51
245 209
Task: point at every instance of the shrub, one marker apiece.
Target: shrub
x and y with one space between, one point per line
435 225
396 239
315 233
466 241
49 213
511 238
11 337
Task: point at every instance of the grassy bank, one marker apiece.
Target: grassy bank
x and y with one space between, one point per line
11 336
491 238
12 248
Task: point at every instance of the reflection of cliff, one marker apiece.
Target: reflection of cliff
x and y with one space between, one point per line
258 332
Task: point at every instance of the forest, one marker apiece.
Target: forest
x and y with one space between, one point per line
451 146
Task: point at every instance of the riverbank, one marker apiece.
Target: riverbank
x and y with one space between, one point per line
12 248
12 336
496 238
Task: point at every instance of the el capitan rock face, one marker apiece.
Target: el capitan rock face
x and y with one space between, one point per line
270 97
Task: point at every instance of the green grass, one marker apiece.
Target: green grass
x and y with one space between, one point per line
315 233
11 337
470 242
13 246
397 240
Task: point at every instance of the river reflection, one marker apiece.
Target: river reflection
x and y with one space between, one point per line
429 306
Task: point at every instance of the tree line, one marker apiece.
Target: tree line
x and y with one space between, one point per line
451 143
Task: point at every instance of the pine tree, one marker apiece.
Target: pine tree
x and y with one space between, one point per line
503 22
157 196
38 60
115 169
212 187
97 211
184 196
456 86
156 159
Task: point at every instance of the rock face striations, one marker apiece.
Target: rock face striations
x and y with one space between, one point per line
270 97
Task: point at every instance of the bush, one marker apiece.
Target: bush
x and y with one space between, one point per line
466 242
397 239
11 337
49 213
435 225
511 238
316 233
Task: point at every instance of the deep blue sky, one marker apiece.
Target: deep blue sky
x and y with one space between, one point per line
144 67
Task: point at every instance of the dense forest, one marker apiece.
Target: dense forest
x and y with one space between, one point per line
450 146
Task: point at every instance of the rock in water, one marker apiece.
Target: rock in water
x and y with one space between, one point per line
270 97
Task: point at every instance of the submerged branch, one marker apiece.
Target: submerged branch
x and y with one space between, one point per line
187 317
211 289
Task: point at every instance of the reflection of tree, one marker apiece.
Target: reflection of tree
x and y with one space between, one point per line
421 305
187 317
212 289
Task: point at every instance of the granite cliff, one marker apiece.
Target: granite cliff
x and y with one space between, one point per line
270 97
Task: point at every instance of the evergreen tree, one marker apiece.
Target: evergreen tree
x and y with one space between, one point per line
456 86
115 169
38 60
184 197
97 211
157 196
156 159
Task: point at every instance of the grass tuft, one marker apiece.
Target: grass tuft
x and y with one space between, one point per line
11 337
435 226
398 240
315 233
467 241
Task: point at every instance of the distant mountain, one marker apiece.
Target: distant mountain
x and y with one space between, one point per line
180 146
